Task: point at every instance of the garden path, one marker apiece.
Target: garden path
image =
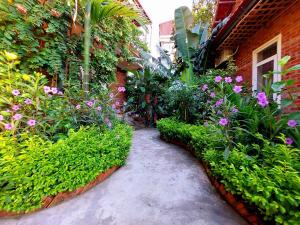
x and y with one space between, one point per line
160 185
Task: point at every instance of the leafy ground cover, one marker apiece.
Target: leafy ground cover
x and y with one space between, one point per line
266 176
36 168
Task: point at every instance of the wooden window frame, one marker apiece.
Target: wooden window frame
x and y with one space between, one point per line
276 58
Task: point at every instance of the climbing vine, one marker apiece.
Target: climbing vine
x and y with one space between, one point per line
37 33
40 33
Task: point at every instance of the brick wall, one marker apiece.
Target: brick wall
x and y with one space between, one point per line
288 25
120 82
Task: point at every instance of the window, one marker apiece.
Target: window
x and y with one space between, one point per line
265 59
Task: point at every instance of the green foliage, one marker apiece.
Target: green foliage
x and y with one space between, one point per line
35 168
38 35
172 129
197 137
96 11
111 35
182 101
53 111
187 40
270 182
203 11
145 93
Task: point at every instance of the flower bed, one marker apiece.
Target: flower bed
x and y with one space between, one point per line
36 169
268 181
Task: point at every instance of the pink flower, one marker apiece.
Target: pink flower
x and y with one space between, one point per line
113 106
117 103
15 107
111 95
218 79
263 103
292 123
204 87
17 116
237 89
239 79
121 89
212 95
28 101
8 110
223 122
90 104
15 92
261 95
262 99
118 111
289 141
8 126
47 89
60 93
78 106
31 122
54 90
99 108
1 118
235 110
228 79
219 102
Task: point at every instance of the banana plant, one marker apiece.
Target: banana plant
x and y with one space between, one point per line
188 39
96 11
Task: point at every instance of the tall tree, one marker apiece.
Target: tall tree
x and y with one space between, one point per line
94 12
203 11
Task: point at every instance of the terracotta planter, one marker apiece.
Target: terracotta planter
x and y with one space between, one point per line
50 201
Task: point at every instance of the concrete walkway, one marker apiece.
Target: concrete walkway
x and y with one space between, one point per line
160 185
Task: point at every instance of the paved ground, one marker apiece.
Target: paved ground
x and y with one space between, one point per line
160 185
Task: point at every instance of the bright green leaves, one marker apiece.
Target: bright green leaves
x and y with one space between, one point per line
35 168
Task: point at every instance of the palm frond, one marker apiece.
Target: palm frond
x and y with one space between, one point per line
102 9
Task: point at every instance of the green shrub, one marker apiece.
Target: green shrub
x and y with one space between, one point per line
198 137
35 168
172 129
271 183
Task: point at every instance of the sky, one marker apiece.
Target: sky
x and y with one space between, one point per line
163 10
160 11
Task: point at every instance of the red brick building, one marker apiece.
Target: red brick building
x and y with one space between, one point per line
258 34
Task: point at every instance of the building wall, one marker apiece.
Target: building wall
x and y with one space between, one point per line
121 76
288 25
237 4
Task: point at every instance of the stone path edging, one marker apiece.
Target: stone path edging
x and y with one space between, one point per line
235 201
63 196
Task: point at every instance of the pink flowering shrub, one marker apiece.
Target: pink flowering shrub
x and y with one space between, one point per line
26 101
29 104
231 104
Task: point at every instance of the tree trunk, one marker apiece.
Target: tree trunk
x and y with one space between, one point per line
87 44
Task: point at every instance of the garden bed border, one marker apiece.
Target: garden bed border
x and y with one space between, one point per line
50 201
234 201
